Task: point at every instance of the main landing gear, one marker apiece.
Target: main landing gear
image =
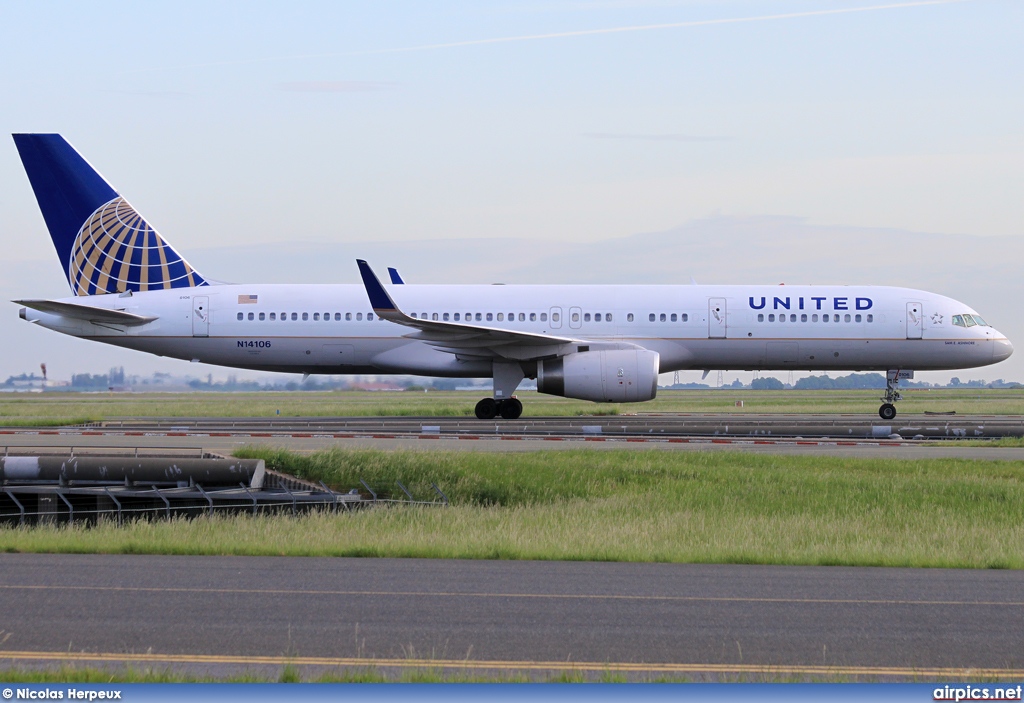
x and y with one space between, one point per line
489 408
892 394
507 377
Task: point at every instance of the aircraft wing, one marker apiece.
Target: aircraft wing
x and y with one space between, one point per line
103 316
459 338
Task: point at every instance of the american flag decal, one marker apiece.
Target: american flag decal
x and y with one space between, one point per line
248 299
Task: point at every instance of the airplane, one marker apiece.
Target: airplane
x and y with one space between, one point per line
603 343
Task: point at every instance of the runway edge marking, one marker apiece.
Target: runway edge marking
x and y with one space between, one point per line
108 657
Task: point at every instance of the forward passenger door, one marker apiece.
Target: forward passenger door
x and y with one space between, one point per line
915 321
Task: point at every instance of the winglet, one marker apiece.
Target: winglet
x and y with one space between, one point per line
395 278
380 301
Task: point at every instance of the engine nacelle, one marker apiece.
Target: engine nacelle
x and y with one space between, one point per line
608 376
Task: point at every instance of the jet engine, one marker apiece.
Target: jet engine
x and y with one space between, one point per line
605 376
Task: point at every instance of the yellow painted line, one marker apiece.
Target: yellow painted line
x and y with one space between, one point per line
539 596
102 657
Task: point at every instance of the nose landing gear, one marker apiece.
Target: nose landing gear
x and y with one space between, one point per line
892 393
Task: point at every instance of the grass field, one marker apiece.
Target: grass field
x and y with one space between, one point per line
713 507
75 408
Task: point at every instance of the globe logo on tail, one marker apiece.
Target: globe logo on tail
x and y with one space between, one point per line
117 251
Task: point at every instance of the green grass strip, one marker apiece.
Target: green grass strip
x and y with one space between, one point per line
652 506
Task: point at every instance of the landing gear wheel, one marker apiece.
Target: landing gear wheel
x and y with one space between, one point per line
887 411
487 409
510 409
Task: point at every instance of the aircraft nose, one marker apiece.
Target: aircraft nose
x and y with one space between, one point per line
1001 350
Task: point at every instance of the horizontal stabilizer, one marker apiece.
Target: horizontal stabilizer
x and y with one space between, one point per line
87 312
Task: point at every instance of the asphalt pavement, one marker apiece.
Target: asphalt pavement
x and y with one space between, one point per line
681 619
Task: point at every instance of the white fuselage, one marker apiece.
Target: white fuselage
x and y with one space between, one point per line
330 329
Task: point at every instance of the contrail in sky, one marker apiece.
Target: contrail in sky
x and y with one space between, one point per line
576 33
669 25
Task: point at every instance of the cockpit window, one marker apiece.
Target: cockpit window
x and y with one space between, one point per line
969 321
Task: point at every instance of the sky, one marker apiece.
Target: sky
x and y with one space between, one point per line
235 125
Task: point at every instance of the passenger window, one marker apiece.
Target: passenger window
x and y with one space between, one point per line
661 317
433 316
533 317
501 317
445 317
575 317
316 317
871 318
240 316
607 317
413 315
284 316
760 317
251 316
792 318
814 317
685 317
771 317
543 317
846 317
479 317
305 316
597 317
490 317
359 317
348 317
456 317
273 316
369 316
262 316
824 318
651 318
522 317
673 317
629 317
803 317
586 317
856 318
327 317
555 317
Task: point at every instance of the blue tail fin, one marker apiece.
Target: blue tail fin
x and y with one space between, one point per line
104 244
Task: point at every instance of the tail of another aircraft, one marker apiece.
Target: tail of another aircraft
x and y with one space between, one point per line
104 244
